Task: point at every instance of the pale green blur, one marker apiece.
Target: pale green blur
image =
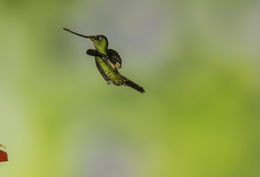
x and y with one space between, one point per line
197 60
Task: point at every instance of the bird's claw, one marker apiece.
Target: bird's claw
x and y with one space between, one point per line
109 82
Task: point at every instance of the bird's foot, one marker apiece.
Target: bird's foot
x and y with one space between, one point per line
109 82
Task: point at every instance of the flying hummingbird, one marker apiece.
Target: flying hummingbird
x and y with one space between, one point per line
108 61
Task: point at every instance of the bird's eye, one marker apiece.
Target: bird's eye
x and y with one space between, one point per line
98 38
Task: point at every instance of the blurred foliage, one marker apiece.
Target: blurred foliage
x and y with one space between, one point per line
197 60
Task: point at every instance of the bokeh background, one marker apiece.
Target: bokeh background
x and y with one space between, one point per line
197 60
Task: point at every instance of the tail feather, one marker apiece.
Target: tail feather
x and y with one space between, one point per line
134 86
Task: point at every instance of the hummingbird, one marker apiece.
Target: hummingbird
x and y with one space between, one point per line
108 61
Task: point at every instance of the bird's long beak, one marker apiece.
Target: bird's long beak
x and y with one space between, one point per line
88 37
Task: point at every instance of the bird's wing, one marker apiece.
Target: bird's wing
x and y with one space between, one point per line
114 59
94 53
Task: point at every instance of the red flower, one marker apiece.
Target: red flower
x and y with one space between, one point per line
3 156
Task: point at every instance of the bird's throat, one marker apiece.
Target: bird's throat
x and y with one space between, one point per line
101 49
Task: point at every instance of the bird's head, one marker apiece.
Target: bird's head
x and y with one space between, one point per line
99 41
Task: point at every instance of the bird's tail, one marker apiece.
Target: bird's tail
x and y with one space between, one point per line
134 85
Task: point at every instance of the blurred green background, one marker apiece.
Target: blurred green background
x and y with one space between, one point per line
197 60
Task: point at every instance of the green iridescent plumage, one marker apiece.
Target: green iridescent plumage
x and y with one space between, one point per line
108 61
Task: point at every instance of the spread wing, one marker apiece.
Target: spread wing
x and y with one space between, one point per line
114 59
